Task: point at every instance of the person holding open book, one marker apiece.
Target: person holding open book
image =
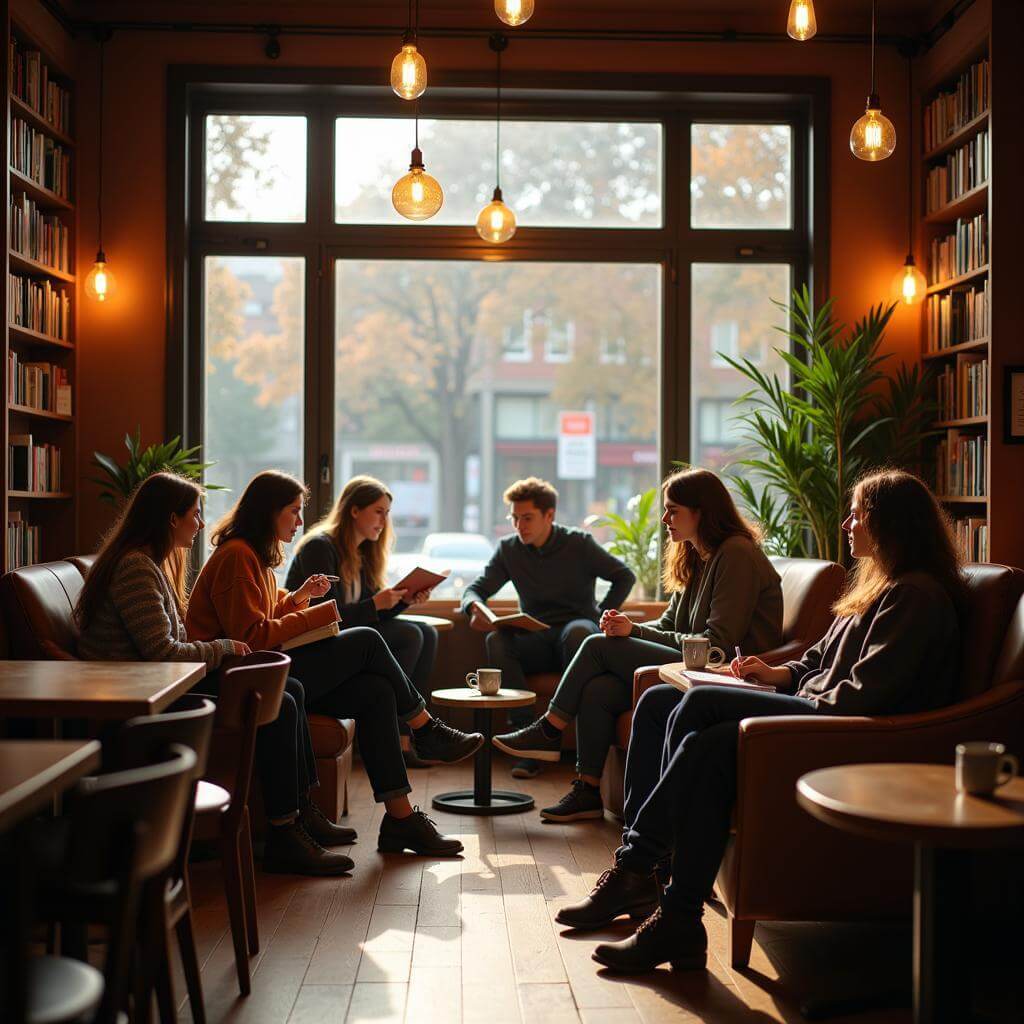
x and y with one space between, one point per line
723 587
554 569
350 675
893 648
132 608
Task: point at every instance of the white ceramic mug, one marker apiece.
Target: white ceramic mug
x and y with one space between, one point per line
486 680
982 767
698 653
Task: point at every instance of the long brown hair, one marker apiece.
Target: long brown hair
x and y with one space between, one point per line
254 516
700 489
353 554
144 525
909 531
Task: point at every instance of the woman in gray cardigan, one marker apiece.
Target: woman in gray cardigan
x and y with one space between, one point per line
723 587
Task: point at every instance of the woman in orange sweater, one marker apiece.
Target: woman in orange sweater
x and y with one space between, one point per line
352 675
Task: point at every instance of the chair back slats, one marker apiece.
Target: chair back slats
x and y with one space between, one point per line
262 672
144 740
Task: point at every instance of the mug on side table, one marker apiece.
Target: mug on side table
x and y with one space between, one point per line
698 653
486 680
982 767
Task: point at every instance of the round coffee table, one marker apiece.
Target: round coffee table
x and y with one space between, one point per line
441 625
481 799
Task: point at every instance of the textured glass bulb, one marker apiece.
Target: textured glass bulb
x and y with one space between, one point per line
801 23
496 222
409 72
416 195
909 285
513 12
99 284
873 136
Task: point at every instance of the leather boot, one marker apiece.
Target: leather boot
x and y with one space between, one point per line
665 937
416 832
323 830
291 850
618 891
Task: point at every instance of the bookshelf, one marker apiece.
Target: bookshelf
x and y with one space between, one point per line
40 400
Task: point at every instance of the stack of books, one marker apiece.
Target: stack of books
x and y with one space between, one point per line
41 386
37 156
961 469
40 236
972 538
33 467
950 111
39 306
957 316
965 168
961 252
22 541
31 83
962 390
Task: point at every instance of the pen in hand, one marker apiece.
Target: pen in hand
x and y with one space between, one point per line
739 657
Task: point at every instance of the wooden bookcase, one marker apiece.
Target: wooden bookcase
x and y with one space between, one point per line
39 261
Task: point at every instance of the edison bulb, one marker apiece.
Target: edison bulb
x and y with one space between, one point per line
801 24
909 285
873 137
99 284
409 72
496 222
513 12
417 195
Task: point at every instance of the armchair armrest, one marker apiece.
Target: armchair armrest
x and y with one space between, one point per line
643 679
786 652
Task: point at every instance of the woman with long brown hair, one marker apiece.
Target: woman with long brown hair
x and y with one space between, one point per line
132 607
893 648
723 587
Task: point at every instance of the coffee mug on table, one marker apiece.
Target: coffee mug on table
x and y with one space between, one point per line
486 680
982 767
698 653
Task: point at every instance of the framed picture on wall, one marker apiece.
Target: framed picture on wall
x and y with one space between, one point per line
1013 404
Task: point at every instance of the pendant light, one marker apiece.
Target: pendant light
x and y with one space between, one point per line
873 137
801 24
513 12
496 222
99 284
409 69
909 285
416 195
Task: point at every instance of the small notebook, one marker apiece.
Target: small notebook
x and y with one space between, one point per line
312 635
420 579
695 677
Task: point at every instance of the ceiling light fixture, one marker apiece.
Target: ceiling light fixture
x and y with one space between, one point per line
497 222
513 12
417 195
801 24
909 285
409 69
873 137
99 283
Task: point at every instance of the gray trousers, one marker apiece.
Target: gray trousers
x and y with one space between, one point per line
598 686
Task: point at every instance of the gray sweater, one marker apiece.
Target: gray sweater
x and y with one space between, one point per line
555 582
899 656
138 621
736 601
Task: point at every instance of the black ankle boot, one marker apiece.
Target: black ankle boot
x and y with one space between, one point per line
618 891
415 832
665 937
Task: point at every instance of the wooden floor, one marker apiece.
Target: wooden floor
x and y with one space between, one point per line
473 939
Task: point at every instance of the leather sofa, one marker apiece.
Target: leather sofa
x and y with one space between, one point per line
38 602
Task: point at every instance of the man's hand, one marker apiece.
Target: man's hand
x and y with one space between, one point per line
614 623
479 621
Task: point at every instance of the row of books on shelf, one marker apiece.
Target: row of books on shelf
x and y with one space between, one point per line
961 465
31 83
40 236
962 389
23 542
965 168
39 305
32 466
950 111
41 386
959 315
38 157
972 538
961 252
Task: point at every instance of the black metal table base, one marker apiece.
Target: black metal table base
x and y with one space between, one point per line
481 799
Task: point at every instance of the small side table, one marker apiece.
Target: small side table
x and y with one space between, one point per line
441 625
919 803
481 799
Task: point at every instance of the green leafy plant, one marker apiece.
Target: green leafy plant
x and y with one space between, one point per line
635 538
841 416
119 482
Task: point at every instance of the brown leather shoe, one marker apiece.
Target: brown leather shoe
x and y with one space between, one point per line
323 830
291 850
662 938
416 832
618 891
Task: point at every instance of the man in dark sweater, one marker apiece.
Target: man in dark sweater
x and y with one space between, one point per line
554 569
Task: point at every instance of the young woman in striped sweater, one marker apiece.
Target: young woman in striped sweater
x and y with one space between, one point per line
132 608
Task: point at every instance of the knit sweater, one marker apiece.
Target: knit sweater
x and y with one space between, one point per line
736 601
138 620
238 597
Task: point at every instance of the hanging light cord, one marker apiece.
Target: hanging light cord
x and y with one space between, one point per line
873 47
99 192
910 156
497 148
416 123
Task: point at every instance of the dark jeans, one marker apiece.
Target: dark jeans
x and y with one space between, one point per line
517 653
354 675
284 760
414 645
598 686
681 781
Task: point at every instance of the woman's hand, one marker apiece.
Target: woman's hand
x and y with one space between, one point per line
316 586
614 623
237 647
755 668
423 595
385 599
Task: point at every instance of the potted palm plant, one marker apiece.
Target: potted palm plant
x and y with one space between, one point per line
635 539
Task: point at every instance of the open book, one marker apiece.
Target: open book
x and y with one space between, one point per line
696 677
420 579
312 635
517 620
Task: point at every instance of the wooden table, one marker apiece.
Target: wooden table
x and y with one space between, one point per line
481 799
919 803
94 690
33 772
441 625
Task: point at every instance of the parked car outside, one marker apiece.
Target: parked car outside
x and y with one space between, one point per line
464 554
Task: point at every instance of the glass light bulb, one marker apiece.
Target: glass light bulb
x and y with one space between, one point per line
100 284
496 223
513 12
873 136
417 195
801 24
909 285
409 72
